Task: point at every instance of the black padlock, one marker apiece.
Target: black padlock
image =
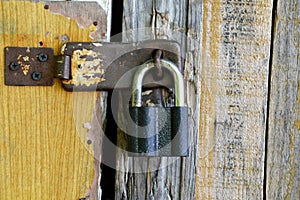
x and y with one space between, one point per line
158 131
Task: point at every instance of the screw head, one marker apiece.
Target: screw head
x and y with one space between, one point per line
14 66
42 57
36 76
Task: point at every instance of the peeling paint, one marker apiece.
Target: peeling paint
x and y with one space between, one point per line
97 44
87 67
25 67
26 58
96 23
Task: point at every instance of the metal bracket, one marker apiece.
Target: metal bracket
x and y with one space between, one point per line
88 66
29 66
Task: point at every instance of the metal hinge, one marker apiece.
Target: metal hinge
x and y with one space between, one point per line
89 66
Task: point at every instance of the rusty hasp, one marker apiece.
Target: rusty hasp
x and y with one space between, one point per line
86 66
99 66
26 66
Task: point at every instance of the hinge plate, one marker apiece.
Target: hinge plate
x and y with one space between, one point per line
26 66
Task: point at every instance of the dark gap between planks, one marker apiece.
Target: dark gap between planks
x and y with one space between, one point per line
108 155
274 10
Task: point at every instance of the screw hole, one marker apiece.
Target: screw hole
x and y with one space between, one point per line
79 66
95 23
46 7
41 43
89 142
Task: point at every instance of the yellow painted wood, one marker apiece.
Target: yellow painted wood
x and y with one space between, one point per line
42 155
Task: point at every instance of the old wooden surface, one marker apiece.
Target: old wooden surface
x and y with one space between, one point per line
228 46
283 170
226 43
162 178
235 64
43 141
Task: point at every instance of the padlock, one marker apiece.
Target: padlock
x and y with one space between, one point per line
158 131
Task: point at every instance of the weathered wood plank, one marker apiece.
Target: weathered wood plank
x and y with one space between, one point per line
164 178
236 45
42 155
231 55
283 170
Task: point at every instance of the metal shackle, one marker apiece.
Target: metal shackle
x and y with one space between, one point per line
142 71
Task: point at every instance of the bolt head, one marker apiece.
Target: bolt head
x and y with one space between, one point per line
43 57
14 66
36 76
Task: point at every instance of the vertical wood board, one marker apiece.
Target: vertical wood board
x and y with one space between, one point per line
283 169
226 73
236 46
43 142
165 178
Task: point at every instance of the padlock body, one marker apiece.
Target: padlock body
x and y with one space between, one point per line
157 131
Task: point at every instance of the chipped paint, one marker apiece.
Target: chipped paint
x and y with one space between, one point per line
149 103
297 125
93 31
87 68
25 67
85 20
147 92
26 58
97 44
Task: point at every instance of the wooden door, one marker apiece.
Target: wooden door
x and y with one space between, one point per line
241 77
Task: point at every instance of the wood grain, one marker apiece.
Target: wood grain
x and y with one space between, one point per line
226 72
164 178
236 45
43 150
283 170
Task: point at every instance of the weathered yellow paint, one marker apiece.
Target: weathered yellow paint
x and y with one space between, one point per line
87 68
208 94
297 125
233 99
42 156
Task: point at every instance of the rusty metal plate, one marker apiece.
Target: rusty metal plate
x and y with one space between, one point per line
26 66
99 66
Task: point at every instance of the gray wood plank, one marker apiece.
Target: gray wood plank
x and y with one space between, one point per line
283 170
176 180
226 44
236 45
